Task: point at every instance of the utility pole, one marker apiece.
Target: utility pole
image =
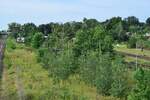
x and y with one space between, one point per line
136 53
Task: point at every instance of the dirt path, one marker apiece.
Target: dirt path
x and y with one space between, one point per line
2 43
3 95
19 85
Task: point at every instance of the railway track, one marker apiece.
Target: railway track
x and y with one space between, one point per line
130 64
2 48
133 55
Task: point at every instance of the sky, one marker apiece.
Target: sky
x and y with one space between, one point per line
45 11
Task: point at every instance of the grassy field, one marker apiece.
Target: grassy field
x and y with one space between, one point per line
24 78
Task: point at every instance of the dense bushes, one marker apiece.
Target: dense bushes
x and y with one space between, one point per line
60 65
104 75
86 49
11 43
110 77
141 91
92 39
90 56
132 42
119 86
37 40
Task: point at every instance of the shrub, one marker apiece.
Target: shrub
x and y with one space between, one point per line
119 86
132 42
11 43
37 40
141 91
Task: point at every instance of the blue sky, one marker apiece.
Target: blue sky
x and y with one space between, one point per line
44 11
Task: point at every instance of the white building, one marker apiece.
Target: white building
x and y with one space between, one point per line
147 35
21 39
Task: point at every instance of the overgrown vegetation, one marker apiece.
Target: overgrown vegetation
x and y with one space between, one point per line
23 74
77 60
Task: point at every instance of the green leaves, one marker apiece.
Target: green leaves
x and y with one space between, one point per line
148 21
142 89
104 75
96 69
15 29
132 42
119 86
37 40
92 39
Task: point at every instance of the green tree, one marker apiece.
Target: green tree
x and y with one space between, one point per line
134 29
132 20
29 29
92 39
110 23
96 69
146 29
57 57
88 65
119 86
15 29
148 21
90 23
120 32
60 66
45 28
132 42
64 67
104 74
37 40
141 91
